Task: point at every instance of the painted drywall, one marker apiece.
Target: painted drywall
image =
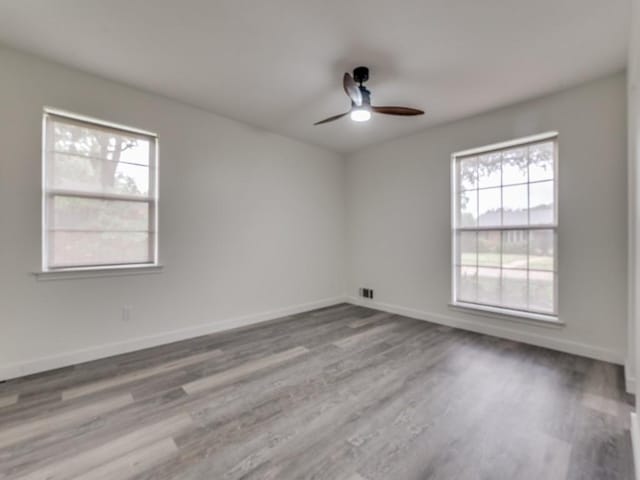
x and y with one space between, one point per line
250 222
399 228
633 99
633 137
633 110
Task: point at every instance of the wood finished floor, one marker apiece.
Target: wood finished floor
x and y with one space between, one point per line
342 393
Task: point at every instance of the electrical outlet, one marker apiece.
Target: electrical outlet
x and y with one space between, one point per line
126 313
366 292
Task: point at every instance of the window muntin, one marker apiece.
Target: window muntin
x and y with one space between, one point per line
505 227
99 194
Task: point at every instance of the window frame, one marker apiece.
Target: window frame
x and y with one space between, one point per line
83 271
493 310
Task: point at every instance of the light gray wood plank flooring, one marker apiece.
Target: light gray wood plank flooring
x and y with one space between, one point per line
341 393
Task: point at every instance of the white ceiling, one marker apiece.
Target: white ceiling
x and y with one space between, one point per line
277 64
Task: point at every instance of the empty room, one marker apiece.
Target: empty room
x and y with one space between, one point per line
339 240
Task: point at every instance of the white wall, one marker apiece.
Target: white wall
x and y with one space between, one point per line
250 223
633 83
398 197
633 114
633 97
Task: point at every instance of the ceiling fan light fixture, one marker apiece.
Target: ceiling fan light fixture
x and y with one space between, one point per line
360 97
360 114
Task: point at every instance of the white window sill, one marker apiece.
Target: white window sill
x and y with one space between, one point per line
507 314
97 272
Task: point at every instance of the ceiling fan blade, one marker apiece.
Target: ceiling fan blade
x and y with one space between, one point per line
351 89
331 119
404 111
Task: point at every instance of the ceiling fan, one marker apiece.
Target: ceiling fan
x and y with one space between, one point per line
360 96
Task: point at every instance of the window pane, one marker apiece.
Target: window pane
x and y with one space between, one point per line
127 179
136 152
98 248
489 170
541 246
514 166
489 247
91 175
541 291
500 261
514 289
99 142
514 248
489 286
89 214
468 209
541 160
467 248
489 203
514 205
74 173
466 284
468 173
541 203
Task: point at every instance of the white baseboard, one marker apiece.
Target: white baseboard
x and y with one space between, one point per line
65 359
635 444
562 345
42 364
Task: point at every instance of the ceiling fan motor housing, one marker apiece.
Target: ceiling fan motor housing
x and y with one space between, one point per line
361 74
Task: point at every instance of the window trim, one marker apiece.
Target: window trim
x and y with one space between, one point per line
94 272
87 271
497 311
508 314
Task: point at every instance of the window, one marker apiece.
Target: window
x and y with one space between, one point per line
99 194
505 228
